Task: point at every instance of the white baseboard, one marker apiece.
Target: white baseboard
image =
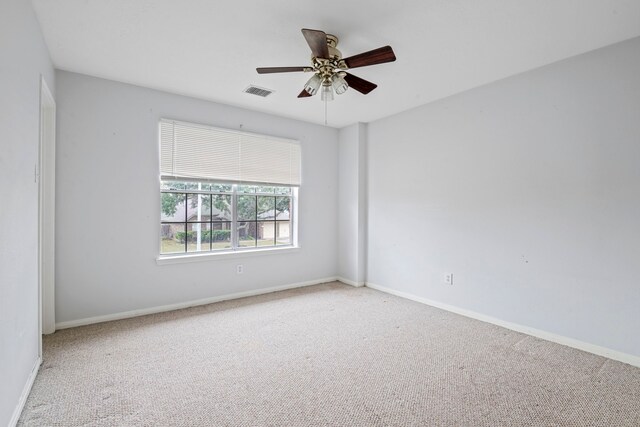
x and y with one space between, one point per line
187 304
25 394
350 282
549 336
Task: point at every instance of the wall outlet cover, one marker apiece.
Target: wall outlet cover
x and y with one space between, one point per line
448 278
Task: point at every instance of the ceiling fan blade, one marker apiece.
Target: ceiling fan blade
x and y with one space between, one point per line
304 94
269 70
317 41
361 85
372 57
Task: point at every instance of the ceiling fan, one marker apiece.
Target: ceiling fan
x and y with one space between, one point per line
329 68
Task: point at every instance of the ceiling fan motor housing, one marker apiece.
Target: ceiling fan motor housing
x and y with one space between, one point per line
327 67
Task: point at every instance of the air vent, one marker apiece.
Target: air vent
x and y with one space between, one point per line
260 91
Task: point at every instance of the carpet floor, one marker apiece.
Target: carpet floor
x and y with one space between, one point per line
326 355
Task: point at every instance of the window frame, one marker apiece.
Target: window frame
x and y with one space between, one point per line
235 248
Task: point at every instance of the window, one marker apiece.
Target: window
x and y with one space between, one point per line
224 190
202 217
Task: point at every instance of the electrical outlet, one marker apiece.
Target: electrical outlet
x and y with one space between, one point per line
239 269
448 278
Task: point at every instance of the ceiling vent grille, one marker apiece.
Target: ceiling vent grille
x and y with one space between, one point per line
260 91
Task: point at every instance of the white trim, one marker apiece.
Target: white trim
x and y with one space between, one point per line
350 282
549 336
25 394
187 304
210 256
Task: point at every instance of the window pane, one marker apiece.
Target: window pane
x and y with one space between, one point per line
283 232
172 207
198 237
246 234
263 189
221 235
247 208
266 232
170 236
198 207
246 188
221 208
266 207
221 188
178 185
283 190
283 208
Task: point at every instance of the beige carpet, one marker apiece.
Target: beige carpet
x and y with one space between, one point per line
327 355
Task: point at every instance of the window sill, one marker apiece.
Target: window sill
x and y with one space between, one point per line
209 256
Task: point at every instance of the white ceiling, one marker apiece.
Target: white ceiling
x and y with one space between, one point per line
210 49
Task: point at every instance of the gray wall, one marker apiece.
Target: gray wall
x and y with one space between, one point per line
528 190
352 204
108 202
24 58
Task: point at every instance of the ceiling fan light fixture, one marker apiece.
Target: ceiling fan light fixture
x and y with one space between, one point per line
327 93
313 84
339 84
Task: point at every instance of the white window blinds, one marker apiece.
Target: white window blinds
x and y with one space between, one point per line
191 151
